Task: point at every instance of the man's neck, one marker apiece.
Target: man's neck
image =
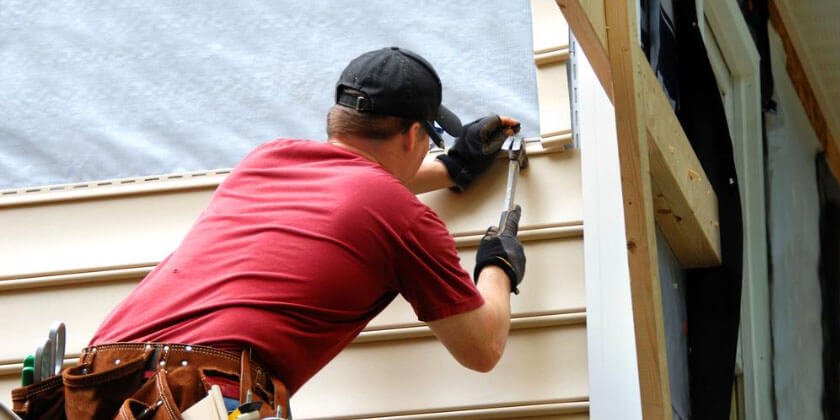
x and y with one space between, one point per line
354 149
384 153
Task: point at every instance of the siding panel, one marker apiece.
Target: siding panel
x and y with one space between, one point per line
375 379
83 306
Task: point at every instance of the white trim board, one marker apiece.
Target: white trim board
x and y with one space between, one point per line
614 391
741 58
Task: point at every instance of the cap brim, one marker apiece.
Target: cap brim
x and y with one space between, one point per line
448 121
433 134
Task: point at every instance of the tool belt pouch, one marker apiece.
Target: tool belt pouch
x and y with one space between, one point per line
121 389
165 395
97 392
44 400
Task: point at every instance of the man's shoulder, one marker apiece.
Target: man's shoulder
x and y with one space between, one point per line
378 186
289 143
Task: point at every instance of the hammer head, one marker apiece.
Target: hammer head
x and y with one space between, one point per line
515 148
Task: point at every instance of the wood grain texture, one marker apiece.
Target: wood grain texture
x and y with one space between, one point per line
685 205
629 100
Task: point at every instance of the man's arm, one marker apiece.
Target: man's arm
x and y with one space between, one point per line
431 176
468 158
476 339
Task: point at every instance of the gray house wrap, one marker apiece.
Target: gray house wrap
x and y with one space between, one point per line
93 90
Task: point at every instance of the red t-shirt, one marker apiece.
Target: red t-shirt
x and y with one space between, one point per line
299 248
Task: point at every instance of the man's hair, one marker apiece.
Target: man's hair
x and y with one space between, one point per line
343 121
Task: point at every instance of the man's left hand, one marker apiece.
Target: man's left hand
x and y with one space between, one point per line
475 150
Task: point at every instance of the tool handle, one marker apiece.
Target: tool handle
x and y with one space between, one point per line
27 374
58 336
510 187
503 221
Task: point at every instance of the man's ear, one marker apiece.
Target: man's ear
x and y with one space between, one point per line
413 136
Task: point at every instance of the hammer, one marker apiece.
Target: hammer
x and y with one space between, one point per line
515 148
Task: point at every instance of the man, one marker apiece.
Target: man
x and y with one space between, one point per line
304 243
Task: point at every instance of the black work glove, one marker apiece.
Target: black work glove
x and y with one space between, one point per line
503 250
475 150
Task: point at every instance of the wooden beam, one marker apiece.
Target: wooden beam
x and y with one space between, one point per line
629 102
685 203
659 171
799 78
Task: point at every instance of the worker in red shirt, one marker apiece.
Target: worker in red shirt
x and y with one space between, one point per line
301 246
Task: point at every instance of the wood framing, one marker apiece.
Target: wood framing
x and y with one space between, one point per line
612 31
680 187
802 85
685 203
629 102
661 178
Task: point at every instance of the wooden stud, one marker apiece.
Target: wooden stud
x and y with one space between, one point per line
629 97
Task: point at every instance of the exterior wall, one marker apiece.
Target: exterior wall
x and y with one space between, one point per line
793 211
74 259
75 253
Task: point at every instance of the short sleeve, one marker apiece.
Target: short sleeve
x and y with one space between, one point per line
431 278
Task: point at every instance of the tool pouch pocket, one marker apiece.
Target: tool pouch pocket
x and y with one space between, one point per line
165 395
44 400
99 394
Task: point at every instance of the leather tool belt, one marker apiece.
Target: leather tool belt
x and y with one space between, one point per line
148 381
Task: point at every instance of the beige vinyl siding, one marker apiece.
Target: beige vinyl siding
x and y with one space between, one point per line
548 330
83 300
418 375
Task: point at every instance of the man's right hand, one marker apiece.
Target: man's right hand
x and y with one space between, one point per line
475 150
504 250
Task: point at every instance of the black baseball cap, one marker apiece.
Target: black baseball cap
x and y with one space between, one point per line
397 82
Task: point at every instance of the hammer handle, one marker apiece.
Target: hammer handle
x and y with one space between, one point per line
510 192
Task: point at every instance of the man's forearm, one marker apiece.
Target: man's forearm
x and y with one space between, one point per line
431 176
494 286
477 338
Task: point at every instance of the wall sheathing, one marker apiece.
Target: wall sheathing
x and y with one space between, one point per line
74 253
793 226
